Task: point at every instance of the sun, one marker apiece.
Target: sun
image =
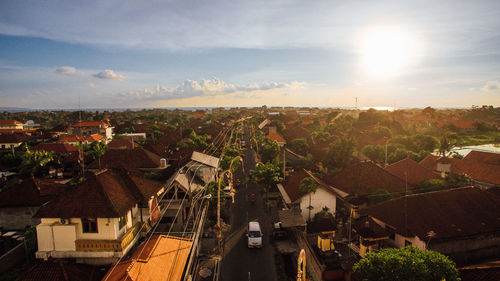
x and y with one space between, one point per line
385 51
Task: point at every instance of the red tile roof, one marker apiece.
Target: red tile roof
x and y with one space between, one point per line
10 122
122 144
91 124
160 258
58 148
30 192
292 184
59 270
275 137
11 138
483 157
449 213
460 124
91 138
364 178
105 195
409 170
129 158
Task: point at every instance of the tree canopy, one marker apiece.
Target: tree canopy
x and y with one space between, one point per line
266 174
406 264
339 154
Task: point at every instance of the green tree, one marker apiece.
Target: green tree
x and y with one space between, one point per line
446 143
97 150
33 161
299 145
430 185
266 175
280 126
457 180
308 185
378 196
339 154
271 152
376 153
155 132
406 264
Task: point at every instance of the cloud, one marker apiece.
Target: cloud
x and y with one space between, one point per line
491 86
109 75
206 87
67 70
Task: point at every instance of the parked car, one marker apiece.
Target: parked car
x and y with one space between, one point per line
279 232
254 235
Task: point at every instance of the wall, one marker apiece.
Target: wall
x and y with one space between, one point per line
469 249
18 218
319 200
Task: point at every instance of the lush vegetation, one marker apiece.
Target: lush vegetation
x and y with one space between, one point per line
406 264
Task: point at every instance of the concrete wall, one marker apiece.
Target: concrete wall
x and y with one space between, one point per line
18 218
319 200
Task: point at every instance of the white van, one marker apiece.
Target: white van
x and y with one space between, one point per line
254 235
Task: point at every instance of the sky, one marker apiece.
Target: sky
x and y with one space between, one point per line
184 53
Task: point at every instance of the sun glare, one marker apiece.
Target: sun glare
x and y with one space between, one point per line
386 51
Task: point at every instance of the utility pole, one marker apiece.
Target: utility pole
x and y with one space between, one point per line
356 102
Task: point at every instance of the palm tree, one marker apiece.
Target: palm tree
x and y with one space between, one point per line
32 161
97 150
308 185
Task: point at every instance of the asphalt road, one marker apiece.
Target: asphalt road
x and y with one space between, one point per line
240 263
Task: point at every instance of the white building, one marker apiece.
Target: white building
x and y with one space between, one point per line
324 197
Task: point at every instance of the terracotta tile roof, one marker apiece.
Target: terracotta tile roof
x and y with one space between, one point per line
478 171
294 132
58 148
161 258
129 158
91 138
11 131
364 178
10 122
369 138
276 137
91 124
105 195
11 138
59 270
483 157
291 185
449 213
430 161
460 124
122 144
368 228
30 192
409 170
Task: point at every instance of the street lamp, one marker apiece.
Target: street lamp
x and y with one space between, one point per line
219 230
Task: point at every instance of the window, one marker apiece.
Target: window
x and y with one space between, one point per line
89 225
122 221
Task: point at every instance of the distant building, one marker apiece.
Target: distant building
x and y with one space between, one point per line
88 128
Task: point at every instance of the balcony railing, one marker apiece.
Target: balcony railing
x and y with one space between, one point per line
109 245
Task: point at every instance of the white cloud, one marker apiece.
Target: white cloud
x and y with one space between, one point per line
206 87
108 74
491 86
68 70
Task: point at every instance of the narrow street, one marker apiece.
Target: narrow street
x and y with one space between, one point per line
240 262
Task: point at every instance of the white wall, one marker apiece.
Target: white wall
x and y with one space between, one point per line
64 237
319 200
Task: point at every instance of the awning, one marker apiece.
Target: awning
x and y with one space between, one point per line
291 218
